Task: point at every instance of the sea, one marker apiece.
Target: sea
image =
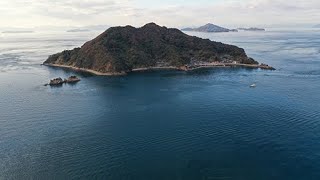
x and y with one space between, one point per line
162 125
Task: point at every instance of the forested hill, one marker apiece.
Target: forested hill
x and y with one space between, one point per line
121 49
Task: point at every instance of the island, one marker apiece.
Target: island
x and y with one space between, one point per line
16 32
121 50
210 28
251 29
316 26
78 30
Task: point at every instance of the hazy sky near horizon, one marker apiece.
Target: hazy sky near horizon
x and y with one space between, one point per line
172 13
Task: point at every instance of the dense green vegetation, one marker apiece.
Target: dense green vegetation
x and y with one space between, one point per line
125 48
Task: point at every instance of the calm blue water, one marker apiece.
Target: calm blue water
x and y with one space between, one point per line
162 125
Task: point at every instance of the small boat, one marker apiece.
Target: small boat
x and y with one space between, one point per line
253 85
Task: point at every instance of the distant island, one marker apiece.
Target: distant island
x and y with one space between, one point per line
251 29
87 28
316 26
16 32
78 30
120 50
210 28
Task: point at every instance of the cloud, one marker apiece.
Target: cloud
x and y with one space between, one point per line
69 7
39 12
170 13
234 13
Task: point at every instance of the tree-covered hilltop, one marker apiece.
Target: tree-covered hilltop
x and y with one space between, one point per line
121 49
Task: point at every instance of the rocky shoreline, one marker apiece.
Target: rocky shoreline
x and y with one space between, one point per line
85 70
254 66
185 68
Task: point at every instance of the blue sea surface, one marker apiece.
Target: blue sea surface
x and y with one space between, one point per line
206 124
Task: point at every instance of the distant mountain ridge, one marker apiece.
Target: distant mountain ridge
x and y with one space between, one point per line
317 26
17 32
78 30
210 28
252 29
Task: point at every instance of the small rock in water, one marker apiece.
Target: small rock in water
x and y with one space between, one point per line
72 79
59 81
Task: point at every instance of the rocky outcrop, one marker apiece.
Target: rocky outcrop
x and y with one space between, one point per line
266 67
59 81
72 79
56 82
122 49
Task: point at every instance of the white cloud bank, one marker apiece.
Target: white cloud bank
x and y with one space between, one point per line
232 13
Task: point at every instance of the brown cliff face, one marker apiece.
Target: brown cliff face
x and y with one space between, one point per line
121 49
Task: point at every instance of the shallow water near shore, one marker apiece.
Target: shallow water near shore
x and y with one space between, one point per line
205 124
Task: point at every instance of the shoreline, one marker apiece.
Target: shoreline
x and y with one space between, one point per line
86 70
157 68
182 68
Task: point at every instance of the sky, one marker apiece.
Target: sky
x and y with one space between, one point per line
171 13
